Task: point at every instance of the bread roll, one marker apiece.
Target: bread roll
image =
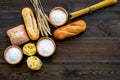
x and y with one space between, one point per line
70 30
18 35
30 23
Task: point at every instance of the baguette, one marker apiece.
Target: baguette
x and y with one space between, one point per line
30 23
70 30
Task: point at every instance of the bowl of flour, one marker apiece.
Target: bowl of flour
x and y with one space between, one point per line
58 16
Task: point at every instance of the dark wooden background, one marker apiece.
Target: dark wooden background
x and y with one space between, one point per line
92 55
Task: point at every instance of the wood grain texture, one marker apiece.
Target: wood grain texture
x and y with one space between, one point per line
92 55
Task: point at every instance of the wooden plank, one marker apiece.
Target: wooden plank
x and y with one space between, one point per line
92 55
92 71
86 71
86 49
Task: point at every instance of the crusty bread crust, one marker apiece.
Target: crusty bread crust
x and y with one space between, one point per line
70 30
18 35
30 23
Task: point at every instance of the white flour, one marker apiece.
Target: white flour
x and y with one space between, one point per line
46 47
58 17
13 55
